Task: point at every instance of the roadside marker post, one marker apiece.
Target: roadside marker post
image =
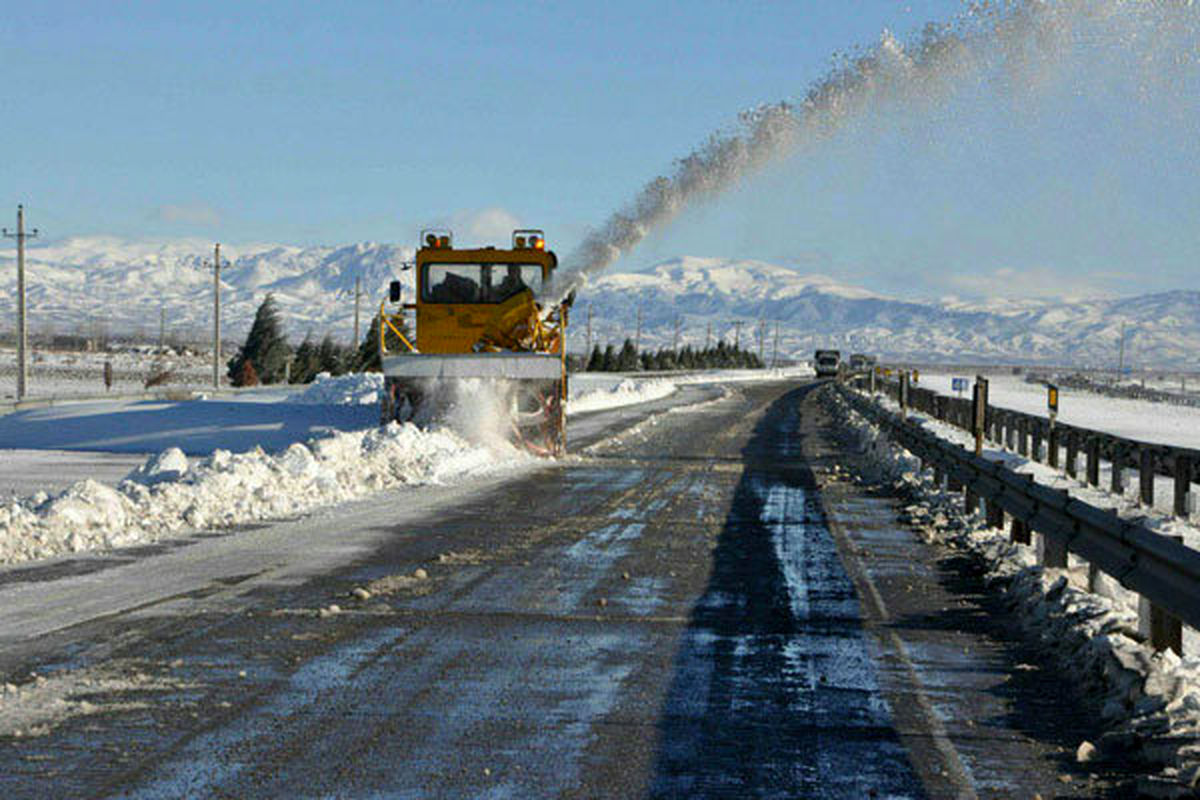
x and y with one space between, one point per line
1052 437
979 403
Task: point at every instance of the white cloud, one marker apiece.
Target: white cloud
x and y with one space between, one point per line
485 226
1039 282
197 214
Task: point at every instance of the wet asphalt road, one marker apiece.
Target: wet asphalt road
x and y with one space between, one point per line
692 609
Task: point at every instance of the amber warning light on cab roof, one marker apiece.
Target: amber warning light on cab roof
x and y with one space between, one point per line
529 238
437 239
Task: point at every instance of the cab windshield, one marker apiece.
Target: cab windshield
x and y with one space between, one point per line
478 283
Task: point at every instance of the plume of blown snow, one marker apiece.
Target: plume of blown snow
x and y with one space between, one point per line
1014 45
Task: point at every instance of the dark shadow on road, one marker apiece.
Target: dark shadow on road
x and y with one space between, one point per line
774 692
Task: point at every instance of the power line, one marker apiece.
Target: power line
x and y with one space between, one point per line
22 335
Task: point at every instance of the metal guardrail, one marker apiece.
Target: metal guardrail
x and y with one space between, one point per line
1158 568
1061 444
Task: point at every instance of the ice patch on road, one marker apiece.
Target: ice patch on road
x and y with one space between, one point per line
169 495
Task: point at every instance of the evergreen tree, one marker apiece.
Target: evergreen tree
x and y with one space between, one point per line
330 357
647 361
610 359
265 347
304 364
627 361
596 361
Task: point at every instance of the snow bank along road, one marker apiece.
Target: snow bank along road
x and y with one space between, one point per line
699 606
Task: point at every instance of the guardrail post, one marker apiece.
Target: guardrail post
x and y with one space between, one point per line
1022 436
1146 478
938 475
970 501
1072 453
1010 434
1093 461
1052 448
1036 451
1162 630
1019 532
1051 552
995 515
1183 484
1117 484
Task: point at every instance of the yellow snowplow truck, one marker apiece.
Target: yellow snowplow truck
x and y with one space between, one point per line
479 328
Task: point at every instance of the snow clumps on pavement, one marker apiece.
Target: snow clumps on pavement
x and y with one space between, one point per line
168 494
1151 701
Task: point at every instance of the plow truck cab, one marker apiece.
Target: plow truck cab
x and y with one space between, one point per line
479 330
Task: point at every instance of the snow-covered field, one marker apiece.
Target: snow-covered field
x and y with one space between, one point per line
1143 420
62 374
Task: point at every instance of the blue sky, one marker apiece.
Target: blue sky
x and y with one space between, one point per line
330 123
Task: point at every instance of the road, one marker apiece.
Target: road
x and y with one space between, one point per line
695 607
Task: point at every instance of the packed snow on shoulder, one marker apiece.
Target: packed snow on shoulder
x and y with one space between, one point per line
627 391
172 494
356 389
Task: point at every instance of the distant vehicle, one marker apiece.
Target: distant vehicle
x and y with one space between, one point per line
860 362
827 363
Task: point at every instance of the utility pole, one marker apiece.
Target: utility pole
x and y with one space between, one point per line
217 316
357 299
775 348
708 338
162 328
588 351
22 337
762 335
637 341
737 334
1121 357
675 340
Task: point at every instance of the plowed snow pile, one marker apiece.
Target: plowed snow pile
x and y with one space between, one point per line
358 389
170 494
628 392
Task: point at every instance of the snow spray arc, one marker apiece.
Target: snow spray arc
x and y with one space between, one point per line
1014 42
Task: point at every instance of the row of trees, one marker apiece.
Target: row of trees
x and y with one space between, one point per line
628 359
266 357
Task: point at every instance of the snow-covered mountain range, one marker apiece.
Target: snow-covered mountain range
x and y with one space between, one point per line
81 284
